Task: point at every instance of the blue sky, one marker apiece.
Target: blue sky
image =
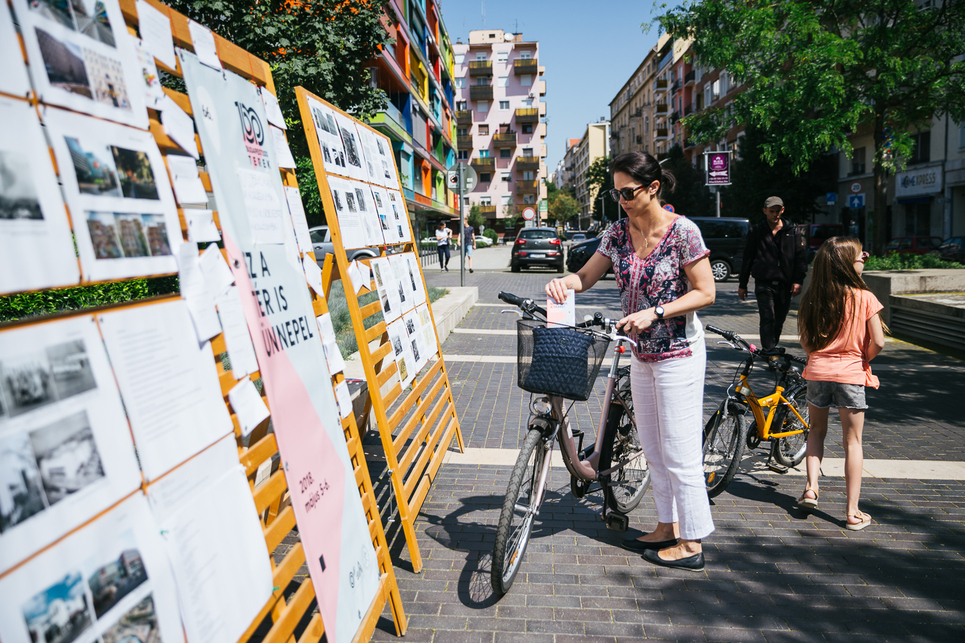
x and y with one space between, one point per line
589 49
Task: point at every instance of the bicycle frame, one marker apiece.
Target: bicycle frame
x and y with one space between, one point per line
772 401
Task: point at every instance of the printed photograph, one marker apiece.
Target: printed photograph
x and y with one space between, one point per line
401 291
338 155
106 76
350 201
330 119
103 236
378 275
95 24
27 382
60 613
378 200
18 196
326 154
71 369
21 491
415 349
337 198
412 275
384 296
56 10
320 121
64 63
397 345
410 325
157 234
385 170
139 625
384 221
115 574
378 141
94 168
403 368
361 198
351 148
67 456
131 234
134 170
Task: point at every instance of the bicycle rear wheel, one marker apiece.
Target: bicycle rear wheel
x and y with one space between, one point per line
790 450
625 488
519 511
724 438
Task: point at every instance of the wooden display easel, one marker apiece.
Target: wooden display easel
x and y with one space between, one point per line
416 426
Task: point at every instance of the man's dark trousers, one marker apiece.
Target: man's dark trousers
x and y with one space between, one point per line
773 301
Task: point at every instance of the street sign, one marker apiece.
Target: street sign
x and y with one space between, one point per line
718 168
668 208
855 187
831 198
529 214
856 201
469 177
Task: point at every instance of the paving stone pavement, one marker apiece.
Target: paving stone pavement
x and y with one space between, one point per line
773 573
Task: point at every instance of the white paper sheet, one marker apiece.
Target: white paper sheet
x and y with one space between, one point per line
354 155
283 154
371 163
416 278
125 218
188 187
400 218
347 213
413 327
272 110
241 351
314 276
358 274
168 382
153 93
90 55
13 72
216 270
213 537
371 226
388 289
402 352
428 331
404 282
299 222
36 249
389 233
330 343
178 125
64 442
248 405
201 226
265 214
390 174
344 399
155 29
109 581
204 46
329 139
196 294
561 314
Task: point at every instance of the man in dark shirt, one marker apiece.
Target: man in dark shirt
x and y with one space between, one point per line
776 257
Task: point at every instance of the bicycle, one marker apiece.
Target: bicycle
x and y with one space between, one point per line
556 364
785 425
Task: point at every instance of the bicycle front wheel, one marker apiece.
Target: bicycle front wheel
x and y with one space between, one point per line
519 511
790 450
625 488
724 437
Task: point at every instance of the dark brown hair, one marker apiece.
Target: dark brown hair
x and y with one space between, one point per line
645 169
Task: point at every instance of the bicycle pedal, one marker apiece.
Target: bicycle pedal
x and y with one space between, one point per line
617 522
777 468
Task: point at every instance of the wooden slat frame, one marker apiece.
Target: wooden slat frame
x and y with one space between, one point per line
413 457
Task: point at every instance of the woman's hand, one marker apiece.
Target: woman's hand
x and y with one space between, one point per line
557 289
637 322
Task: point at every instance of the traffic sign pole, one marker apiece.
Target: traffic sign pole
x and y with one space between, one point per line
462 236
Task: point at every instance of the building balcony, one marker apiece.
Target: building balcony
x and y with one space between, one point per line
527 163
688 110
505 139
464 117
484 165
486 210
660 86
675 85
690 77
480 68
525 66
481 92
527 187
661 134
661 109
464 141
527 115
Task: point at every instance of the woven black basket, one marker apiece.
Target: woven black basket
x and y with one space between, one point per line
558 361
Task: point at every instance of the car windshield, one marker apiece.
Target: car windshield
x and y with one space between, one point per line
318 236
929 242
537 234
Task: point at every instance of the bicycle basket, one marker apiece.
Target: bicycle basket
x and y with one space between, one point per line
558 361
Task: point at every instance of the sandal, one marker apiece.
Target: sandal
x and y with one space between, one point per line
863 521
806 503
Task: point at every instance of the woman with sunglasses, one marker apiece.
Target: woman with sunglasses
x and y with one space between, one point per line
663 272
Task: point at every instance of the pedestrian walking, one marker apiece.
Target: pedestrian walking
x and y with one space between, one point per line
468 242
443 235
662 268
776 256
842 332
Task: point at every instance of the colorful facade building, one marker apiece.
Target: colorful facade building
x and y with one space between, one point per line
501 121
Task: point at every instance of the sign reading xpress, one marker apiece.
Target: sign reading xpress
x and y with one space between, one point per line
920 181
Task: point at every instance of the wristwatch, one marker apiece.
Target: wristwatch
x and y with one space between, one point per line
659 311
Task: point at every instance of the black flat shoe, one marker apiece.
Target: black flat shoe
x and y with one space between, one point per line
693 563
640 546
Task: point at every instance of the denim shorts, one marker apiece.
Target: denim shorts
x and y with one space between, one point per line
827 394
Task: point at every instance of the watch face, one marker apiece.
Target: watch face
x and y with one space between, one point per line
659 311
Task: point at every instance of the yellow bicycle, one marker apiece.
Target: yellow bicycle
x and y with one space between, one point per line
780 418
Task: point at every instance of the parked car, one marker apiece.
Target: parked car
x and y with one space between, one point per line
725 237
322 245
818 233
580 253
537 247
483 241
579 237
914 245
953 249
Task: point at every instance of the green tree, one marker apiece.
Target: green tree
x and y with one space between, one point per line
690 196
814 70
563 208
598 176
322 45
476 219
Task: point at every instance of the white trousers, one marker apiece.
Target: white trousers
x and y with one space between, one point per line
668 406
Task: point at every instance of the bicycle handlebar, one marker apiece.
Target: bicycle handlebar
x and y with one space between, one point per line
528 306
743 345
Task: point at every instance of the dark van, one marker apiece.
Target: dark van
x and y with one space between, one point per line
725 237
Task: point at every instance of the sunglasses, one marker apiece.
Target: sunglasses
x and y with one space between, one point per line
863 256
627 193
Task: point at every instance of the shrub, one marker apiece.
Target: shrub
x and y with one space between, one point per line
897 261
489 233
48 302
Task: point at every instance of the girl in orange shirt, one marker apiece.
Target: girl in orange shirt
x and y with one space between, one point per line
841 332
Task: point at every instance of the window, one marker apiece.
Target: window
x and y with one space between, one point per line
724 83
463 155
527 151
707 96
502 56
505 177
485 200
484 154
482 81
526 80
482 106
485 177
921 153
481 56
527 128
459 59
529 199
715 93
504 104
506 199
857 161
505 153
529 175
462 105
961 135
462 131
460 82
483 129
526 54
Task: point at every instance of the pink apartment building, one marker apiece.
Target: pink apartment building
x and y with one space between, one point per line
500 123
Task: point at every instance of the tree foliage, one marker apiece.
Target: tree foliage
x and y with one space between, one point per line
322 45
814 70
475 217
563 207
690 196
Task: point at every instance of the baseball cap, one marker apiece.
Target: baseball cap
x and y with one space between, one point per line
772 201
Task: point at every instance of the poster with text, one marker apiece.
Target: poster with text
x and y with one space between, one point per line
400 218
278 307
36 249
109 582
65 447
373 168
329 139
354 154
383 208
125 218
13 73
350 220
82 57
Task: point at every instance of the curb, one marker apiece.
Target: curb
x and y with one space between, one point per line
447 312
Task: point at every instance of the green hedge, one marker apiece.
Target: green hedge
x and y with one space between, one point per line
48 302
491 234
908 262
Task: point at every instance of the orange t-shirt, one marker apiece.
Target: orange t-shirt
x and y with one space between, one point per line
843 360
